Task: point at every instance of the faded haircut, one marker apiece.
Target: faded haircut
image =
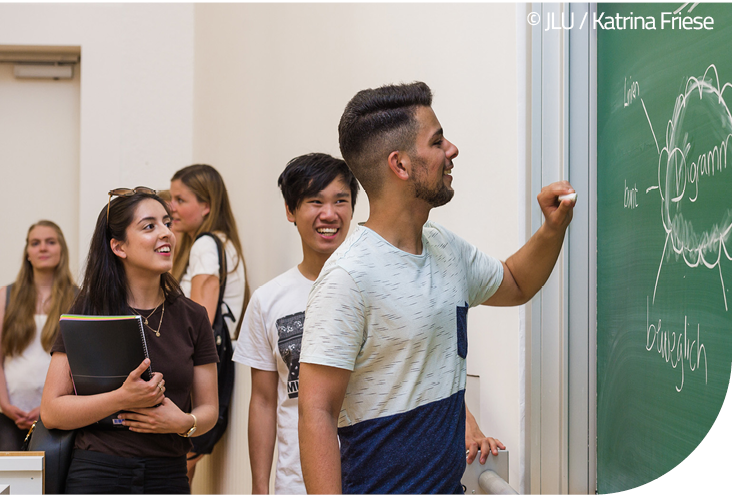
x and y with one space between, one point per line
376 122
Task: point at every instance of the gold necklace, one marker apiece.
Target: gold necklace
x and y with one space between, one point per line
145 319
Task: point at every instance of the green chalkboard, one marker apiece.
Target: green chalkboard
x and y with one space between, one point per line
664 257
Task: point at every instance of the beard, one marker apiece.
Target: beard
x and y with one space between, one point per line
434 195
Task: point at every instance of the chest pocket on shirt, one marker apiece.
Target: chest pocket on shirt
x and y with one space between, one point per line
462 330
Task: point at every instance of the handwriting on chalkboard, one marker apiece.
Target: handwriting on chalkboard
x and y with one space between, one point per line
631 197
676 348
630 94
677 171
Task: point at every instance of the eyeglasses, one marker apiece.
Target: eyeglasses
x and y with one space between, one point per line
125 192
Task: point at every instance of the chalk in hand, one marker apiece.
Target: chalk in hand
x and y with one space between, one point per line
572 197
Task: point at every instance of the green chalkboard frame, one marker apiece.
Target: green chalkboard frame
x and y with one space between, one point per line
664 300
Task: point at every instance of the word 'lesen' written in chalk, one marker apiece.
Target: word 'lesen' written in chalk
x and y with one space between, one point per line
630 93
668 344
631 197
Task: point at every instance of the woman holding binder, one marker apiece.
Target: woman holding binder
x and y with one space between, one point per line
29 312
199 206
127 273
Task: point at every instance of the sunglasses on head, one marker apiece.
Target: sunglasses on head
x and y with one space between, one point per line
124 192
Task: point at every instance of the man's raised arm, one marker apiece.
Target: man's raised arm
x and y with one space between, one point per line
526 271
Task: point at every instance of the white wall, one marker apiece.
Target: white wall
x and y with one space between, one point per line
39 130
136 105
272 82
247 87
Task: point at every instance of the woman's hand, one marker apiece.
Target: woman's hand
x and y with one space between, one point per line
14 413
166 418
140 393
25 422
34 414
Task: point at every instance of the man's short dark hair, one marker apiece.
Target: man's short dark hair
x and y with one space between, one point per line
307 175
377 122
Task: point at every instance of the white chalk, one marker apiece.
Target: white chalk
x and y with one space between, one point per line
572 197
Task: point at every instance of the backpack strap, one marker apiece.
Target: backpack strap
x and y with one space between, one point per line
222 265
8 289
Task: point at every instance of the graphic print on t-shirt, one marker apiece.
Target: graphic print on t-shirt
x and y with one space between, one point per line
289 331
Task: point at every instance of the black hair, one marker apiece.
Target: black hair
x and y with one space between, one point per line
104 290
307 175
376 122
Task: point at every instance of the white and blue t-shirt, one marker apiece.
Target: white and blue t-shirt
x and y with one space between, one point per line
398 321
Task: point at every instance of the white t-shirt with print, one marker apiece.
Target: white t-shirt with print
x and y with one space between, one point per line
270 340
204 260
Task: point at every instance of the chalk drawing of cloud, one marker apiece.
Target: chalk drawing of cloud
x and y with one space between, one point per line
696 210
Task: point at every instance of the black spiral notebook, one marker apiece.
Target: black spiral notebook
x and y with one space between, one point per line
102 351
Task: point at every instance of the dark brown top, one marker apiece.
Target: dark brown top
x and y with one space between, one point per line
186 340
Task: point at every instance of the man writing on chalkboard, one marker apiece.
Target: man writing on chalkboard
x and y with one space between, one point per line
385 338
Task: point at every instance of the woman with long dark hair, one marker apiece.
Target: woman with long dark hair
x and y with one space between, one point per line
127 273
29 313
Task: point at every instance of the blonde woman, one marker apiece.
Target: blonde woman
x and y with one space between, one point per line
29 313
199 205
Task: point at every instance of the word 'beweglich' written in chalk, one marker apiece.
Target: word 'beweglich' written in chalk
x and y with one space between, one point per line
676 348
